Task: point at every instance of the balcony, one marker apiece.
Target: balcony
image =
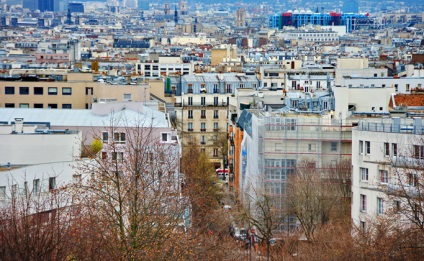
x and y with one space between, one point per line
203 142
215 130
190 130
190 91
203 116
203 130
215 117
200 104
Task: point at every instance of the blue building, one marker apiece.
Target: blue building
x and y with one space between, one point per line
298 19
76 7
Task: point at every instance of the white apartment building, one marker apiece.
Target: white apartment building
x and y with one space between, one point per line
380 151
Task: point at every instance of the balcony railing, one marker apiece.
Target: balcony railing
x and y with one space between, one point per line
202 129
190 130
203 142
215 130
199 104
203 116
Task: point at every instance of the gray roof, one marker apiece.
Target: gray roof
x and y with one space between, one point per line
86 118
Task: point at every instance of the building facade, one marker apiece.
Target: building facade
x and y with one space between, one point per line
387 158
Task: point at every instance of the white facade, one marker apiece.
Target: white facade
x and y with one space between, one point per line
154 70
377 148
26 146
362 99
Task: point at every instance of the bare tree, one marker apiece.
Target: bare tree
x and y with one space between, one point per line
310 197
36 226
262 211
132 193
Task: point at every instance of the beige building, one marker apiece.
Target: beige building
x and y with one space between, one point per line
223 53
69 91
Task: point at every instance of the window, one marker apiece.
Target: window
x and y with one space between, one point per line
386 149
26 188
190 88
364 174
105 137
190 114
215 114
190 100
367 147
190 126
363 226
2 192
361 147
394 149
104 155
14 190
66 106
52 106
38 90
333 146
202 150
407 87
311 147
363 202
117 156
396 88
215 126
396 206
215 152
203 126
215 88
23 90
9 90
203 139
38 105
380 207
203 100
203 114
127 96
9 105
164 137
88 90
412 180
52 183
66 91
119 137
36 186
52 90
23 105
419 151
228 88
241 85
215 101
384 176
76 178
325 105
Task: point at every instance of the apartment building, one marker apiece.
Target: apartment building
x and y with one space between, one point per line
61 89
387 157
98 121
288 75
202 109
274 142
360 100
163 66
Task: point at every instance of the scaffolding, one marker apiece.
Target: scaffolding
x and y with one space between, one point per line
283 140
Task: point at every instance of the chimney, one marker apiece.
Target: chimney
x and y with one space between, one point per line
19 125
